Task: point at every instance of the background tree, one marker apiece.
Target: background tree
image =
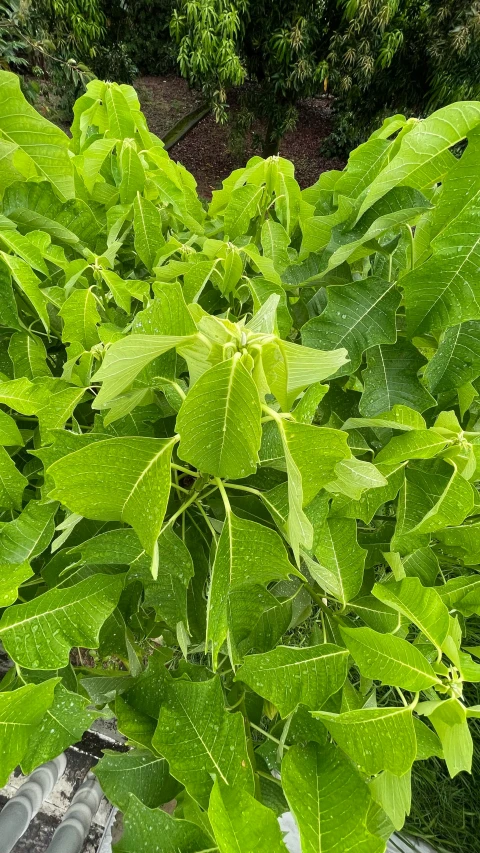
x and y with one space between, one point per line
276 46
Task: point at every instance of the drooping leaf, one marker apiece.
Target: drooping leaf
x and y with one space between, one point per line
389 659
144 826
219 422
290 676
140 772
134 485
40 633
358 316
21 711
329 800
242 824
375 738
64 723
200 738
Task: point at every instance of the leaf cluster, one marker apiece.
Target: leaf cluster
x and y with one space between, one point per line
239 466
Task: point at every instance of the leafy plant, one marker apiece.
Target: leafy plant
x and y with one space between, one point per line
238 473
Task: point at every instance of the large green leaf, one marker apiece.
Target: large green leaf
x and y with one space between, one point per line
358 316
389 659
219 422
138 772
329 799
44 144
422 606
125 359
241 824
290 676
200 739
375 738
457 359
421 160
340 559
40 633
391 379
21 711
248 554
443 291
144 827
63 724
133 486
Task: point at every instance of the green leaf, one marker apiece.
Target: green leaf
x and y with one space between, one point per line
147 227
370 501
391 379
63 724
306 442
80 319
420 605
290 676
290 368
12 483
40 633
358 316
219 422
138 772
457 359
45 145
29 284
431 501
9 433
341 560
394 794
420 161
449 720
241 824
443 291
200 738
11 577
142 824
248 554
417 444
241 208
375 738
389 659
353 477
134 485
375 614
21 711
329 800
462 541
29 534
28 355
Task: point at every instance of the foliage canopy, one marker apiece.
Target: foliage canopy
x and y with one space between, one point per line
239 463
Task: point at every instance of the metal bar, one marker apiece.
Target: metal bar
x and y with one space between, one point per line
73 830
25 803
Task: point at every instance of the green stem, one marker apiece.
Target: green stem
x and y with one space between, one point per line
184 470
267 734
224 495
269 777
318 600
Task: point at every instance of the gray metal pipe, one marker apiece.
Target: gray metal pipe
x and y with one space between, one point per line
70 835
25 803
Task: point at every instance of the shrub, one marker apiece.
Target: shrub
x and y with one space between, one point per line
239 456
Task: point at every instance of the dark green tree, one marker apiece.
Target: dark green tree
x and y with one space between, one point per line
277 46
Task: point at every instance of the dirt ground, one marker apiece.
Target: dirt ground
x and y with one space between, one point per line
206 151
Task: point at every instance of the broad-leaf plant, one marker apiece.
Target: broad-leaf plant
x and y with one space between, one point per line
240 444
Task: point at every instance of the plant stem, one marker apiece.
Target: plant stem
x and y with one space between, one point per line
267 734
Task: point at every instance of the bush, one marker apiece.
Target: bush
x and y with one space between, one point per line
239 457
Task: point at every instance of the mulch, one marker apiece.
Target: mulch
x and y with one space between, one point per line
207 151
